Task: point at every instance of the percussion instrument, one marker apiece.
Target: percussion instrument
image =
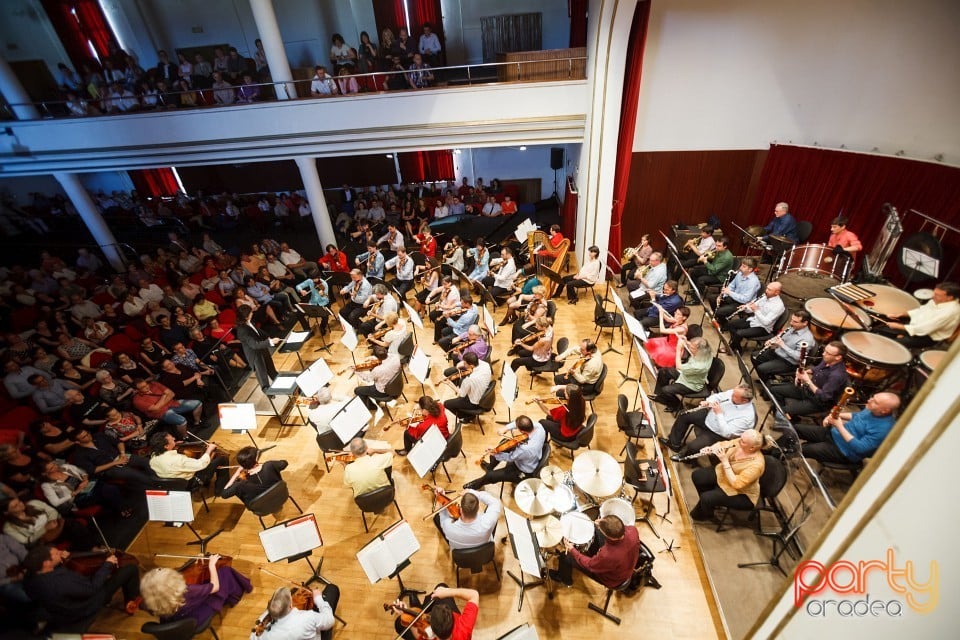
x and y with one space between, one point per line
577 528
533 497
621 508
597 473
548 530
874 358
923 295
929 361
551 475
563 499
808 270
828 318
888 301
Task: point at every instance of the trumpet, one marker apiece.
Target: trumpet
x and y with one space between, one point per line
709 451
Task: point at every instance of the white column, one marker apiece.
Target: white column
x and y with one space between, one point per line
91 216
318 203
269 32
15 94
607 38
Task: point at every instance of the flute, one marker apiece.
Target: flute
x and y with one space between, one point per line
709 451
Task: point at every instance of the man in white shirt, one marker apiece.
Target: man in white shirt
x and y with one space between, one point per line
491 208
288 623
323 85
169 463
150 292
723 416
654 280
936 320
295 262
377 379
501 283
405 267
590 274
763 313
473 528
472 387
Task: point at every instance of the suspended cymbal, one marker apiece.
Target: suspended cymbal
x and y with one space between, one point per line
548 531
551 475
533 497
597 473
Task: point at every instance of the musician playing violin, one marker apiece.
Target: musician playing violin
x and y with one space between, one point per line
170 596
586 373
252 478
433 415
735 481
368 471
474 341
377 379
167 462
287 623
473 528
334 260
446 620
564 421
518 463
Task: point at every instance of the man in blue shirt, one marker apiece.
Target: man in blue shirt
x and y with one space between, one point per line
849 438
783 224
742 290
458 325
521 461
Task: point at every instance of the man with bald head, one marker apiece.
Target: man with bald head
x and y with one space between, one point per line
762 316
850 438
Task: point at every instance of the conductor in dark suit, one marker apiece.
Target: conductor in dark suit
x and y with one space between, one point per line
256 347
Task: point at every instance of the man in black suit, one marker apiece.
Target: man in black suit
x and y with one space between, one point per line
256 347
166 70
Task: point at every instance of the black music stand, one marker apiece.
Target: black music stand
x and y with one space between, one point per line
552 276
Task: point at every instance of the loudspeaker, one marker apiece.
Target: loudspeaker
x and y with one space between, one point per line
556 158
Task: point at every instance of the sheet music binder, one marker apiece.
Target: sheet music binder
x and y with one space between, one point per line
293 537
388 552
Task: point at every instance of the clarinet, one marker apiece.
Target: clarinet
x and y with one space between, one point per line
726 283
769 343
801 363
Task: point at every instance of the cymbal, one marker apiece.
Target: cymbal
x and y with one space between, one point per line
533 497
551 475
548 531
597 473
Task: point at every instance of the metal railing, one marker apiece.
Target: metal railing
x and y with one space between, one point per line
374 82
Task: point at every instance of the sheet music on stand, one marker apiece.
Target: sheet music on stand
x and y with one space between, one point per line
426 452
526 631
413 315
314 377
633 325
420 365
488 322
237 416
294 341
351 418
645 360
381 557
291 538
169 506
523 229
508 386
524 542
349 337
283 385
920 262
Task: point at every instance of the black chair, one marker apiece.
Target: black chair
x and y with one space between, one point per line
271 501
804 229
182 629
597 387
632 423
454 449
339 280
376 501
551 309
544 458
584 438
640 577
329 442
392 391
772 481
550 365
652 484
714 378
405 351
853 468
474 559
603 319
486 405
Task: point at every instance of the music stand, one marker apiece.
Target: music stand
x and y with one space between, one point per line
285 384
918 262
419 367
174 509
240 418
394 547
349 339
415 319
552 276
637 332
526 549
509 388
316 312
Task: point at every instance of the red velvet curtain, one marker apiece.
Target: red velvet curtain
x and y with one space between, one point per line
423 12
94 25
820 184
577 10
568 211
154 182
389 14
426 166
628 122
69 31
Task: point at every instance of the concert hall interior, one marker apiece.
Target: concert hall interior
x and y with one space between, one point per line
274 272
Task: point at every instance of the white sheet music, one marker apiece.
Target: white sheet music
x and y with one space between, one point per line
523 229
633 325
508 385
382 555
283 384
420 366
237 417
291 538
618 303
645 359
414 316
354 417
639 292
425 453
488 322
524 543
315 377
349 337
169 506
297 337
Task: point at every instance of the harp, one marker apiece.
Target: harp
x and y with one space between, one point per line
538 240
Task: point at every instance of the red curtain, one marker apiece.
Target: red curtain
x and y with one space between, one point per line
820 184
69 32
628 122
426 166
577 10
426 12
568 211
154 182
389 14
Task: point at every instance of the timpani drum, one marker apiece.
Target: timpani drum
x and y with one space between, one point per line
621 508
828 318
873 358
923 295
888 301
808 270
929 361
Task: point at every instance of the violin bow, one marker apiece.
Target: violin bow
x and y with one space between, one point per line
414 621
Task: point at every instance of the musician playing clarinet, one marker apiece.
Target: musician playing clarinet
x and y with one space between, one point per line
720 416
742 289
735 481
781 353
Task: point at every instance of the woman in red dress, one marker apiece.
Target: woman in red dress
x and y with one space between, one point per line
663 349
565 420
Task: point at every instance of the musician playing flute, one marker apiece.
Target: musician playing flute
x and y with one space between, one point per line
781 353
721 416
815 390
684 377
762 315
851 437
735 481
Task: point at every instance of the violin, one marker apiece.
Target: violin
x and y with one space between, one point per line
301 598
508 444
367 365
533 337
467 370
417 416
444 501
412 618
197 570
344 456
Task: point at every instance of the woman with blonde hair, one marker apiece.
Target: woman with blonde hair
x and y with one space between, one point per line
167 595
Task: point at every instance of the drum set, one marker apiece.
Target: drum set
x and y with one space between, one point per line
564 505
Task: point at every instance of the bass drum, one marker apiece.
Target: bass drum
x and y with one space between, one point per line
828 318
874 359
808 270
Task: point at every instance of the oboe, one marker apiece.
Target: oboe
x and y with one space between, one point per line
801 363
769 343
710 451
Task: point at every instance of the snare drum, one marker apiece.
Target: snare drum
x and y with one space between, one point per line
620 508
807 270
828 318
577 528
872 358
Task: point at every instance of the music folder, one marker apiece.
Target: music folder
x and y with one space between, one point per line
381 557
169 506
293 537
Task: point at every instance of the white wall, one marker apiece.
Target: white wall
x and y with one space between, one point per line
555 25
741 74
509 163
26 34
